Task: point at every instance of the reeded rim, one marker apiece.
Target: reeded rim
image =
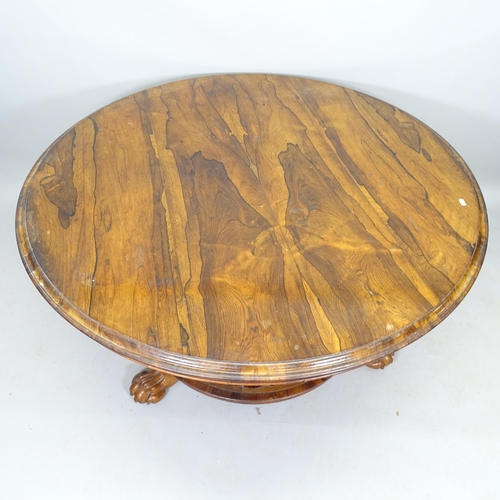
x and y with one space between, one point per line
250 372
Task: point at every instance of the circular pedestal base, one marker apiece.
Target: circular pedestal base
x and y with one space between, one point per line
254 394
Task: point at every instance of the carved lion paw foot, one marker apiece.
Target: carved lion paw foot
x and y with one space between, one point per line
380 364
149 386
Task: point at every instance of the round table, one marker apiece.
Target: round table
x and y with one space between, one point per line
251 235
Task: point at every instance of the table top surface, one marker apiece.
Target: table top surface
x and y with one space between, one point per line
252 228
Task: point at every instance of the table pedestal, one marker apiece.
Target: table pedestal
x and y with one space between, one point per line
260 394
150 386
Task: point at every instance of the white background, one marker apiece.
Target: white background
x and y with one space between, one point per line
426 427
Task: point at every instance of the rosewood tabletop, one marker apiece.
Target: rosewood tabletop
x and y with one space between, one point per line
251 235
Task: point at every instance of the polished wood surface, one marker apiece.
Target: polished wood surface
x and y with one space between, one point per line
150 386
252 228
262 394
380 364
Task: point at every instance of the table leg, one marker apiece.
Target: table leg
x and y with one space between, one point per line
149 386
380 364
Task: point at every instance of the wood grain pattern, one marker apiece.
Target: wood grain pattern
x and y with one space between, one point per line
252 228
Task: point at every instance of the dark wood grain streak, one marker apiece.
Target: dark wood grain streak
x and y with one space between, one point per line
243 229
